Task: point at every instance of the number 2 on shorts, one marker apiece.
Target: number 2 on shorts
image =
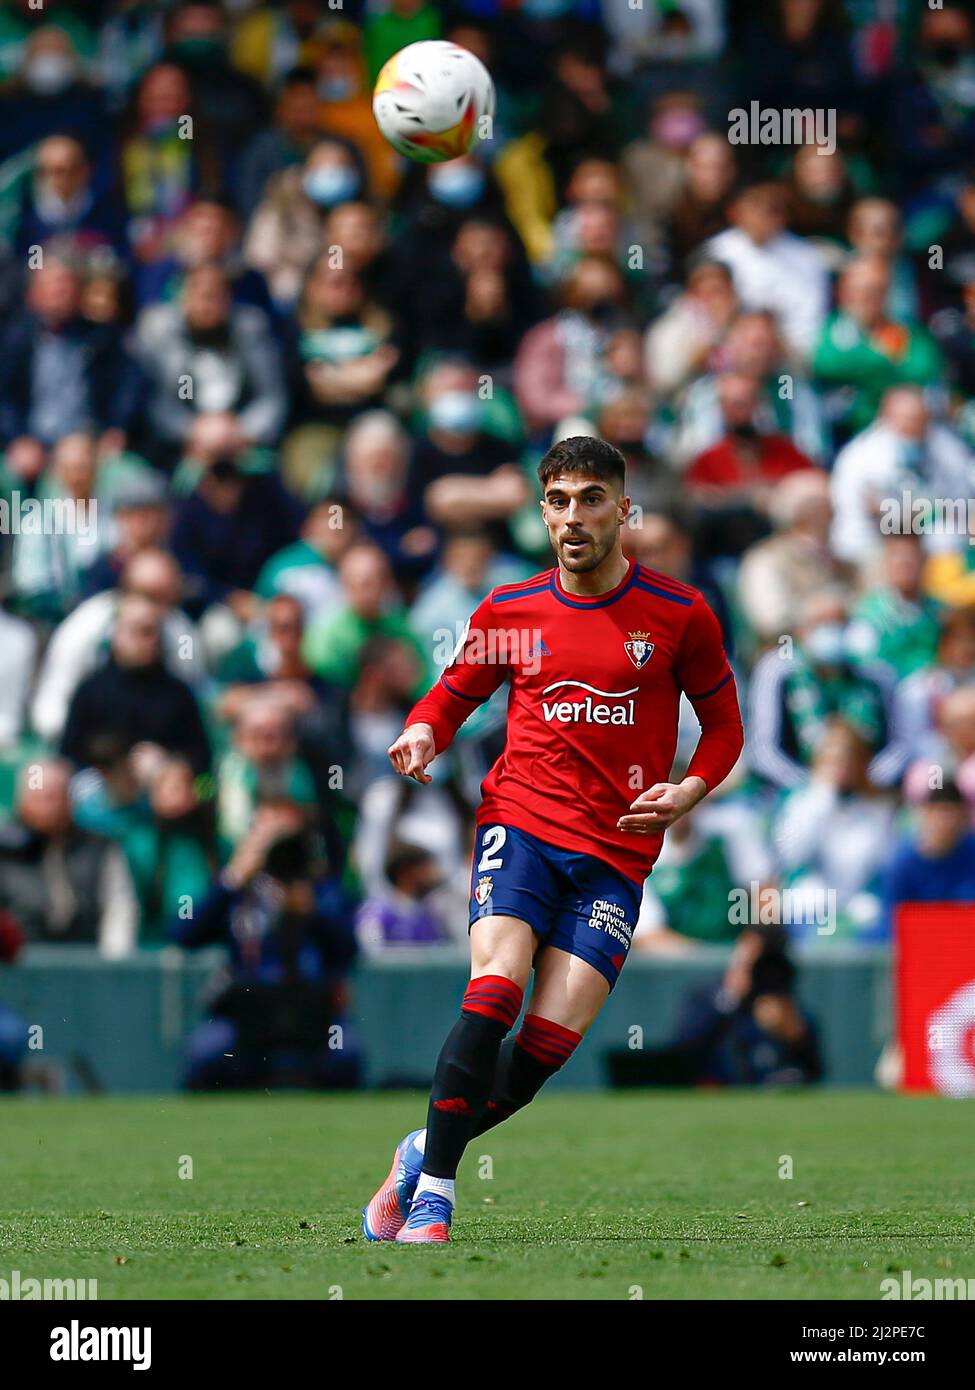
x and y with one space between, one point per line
494 838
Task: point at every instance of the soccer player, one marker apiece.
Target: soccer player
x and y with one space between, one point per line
597 652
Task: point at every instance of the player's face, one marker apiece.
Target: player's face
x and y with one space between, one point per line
583 516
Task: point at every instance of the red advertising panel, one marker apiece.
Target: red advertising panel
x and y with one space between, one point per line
935 996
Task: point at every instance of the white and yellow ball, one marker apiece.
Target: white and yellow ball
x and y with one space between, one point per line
433 101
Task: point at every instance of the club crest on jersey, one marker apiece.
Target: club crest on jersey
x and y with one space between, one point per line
484 889
639 649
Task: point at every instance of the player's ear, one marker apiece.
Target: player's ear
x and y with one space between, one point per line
623 508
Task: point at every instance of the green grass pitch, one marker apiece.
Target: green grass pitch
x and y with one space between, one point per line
586 1196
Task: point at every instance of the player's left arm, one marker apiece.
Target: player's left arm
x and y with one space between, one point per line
472 675
704 673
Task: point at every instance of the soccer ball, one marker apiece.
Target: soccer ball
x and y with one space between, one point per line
430 98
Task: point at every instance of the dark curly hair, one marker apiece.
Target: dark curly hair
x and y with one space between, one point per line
583 454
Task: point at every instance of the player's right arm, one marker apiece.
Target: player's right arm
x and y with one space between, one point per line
476 669
412 751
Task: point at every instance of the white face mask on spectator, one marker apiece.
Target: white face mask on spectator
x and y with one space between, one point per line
48 74
457 184
331 184
457 412
826 644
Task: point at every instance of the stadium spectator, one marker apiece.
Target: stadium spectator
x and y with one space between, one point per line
932 108
50 567
681 342
789 404
949 575
234 519
950 751
269 660
63 884
345 91
577 113
464 473
207 234
285 233
874 231
819 195
264 43
306 569
132 694
172 851
287 924
772 268
231 103
204 356
919 696
699 212
436 201
333 647
673 914
263 767
361 231
48 93
341 354
481 303
863 353
62 201
287 141
390 811
406 915
60 373
833 837
665 541
375 476
389 670
657 164
625 421
161 170
936 863
895 622
732 481
78 644
799 54
595 223
560 360
778 574
896 472
469 567
272 649
750 1030
795 688
140 520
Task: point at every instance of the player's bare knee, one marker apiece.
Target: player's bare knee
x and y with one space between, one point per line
502 946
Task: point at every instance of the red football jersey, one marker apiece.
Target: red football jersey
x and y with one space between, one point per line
593 706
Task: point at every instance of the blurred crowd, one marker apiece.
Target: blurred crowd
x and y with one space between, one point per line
300 387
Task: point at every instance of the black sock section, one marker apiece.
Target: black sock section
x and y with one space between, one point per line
517 1081
461 1086
540 1050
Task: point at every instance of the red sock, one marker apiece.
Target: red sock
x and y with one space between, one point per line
524 1065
